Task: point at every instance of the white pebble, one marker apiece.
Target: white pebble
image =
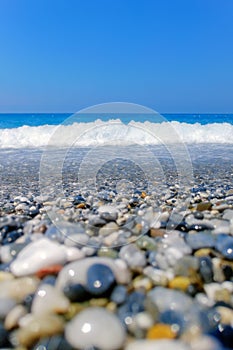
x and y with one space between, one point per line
48 299
95 327
37 255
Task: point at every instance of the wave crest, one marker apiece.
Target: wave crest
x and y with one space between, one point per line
100 132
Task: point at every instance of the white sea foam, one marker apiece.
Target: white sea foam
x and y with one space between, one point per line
114 132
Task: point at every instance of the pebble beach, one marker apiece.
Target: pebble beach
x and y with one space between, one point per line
125 265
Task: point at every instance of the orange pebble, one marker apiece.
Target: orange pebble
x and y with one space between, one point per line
81 206
50 270
161 331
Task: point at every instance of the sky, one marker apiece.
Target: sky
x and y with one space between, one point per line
175 56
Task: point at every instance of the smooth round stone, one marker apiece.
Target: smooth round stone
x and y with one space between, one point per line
37 255
76 293
76 272
169 299
95 327
161 331
17 289
13 317
34 327
180 282
100 279
200 240
224 245
157 345
108 229
133 256
49 300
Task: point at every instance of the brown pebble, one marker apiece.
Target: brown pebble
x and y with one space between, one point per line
204 206
81 206
155 232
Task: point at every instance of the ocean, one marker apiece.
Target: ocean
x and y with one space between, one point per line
34 130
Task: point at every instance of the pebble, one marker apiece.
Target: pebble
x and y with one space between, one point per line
180 282
100 279
154 258
133 256
76 293
200 240
161 331
37 255
95 327
186 266
13 317
34 327
224 244
49 300
76 272
19 288
119 295
168 299
108 229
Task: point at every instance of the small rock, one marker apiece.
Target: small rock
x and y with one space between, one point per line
49 300
133 256
180 282
34 327
200 240
76 272
38 254
13 317
100 279
95 327
161 331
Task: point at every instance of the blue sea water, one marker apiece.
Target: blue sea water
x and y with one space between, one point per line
15 120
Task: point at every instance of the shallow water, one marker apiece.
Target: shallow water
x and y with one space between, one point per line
20 168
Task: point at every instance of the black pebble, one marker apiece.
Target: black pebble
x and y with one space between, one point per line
76 293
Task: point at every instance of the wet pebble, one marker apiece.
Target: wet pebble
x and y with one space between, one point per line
100 279
133 256
95 327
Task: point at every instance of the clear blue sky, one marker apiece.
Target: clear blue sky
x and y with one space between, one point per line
62 55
